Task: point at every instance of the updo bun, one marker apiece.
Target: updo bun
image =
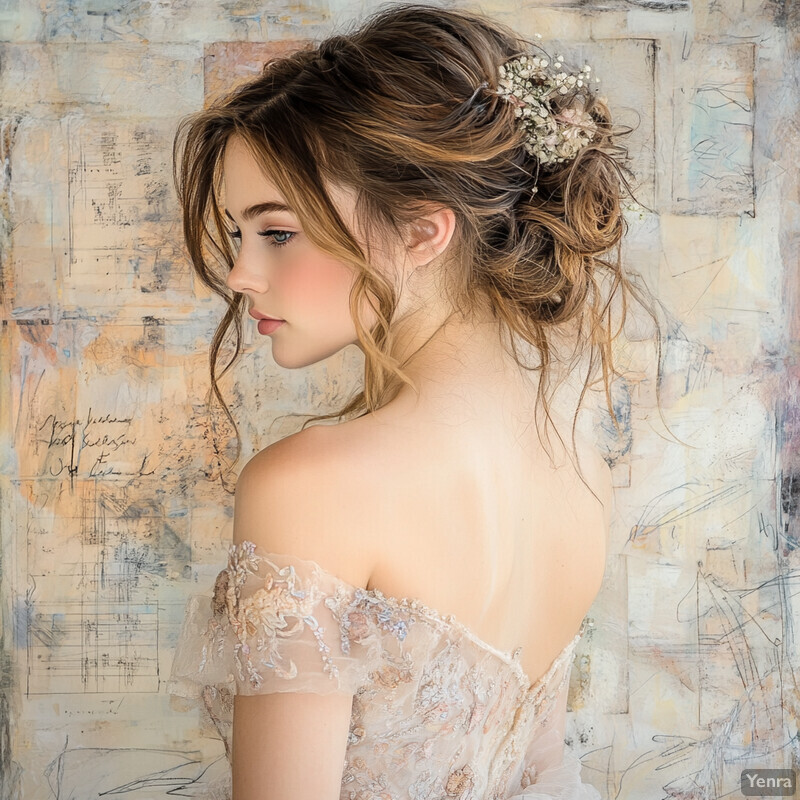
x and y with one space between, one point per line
405 109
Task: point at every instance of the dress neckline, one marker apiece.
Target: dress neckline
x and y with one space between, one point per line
443 620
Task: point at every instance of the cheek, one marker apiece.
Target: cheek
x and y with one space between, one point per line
319 284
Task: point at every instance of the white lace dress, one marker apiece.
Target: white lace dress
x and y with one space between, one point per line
437 713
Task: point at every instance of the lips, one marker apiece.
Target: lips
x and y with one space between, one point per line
258 315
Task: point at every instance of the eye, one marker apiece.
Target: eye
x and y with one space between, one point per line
276 242
284 237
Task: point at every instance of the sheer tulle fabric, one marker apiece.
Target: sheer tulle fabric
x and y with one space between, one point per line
270 627
436 712
561 780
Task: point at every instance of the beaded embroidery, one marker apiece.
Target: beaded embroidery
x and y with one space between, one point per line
433 706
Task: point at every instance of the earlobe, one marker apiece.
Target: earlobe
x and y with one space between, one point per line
431 234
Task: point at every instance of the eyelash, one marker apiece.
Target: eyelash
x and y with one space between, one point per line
267 234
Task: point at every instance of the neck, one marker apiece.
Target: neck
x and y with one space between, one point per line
441 348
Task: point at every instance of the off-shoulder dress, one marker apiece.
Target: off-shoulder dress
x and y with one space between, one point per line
437 712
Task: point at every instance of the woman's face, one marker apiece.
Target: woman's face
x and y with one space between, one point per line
282 274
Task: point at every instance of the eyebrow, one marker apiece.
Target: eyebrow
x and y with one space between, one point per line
261 208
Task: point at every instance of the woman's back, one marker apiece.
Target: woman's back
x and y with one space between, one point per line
427 559
477 548
470 516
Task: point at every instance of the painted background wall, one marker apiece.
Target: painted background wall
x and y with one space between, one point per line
112 507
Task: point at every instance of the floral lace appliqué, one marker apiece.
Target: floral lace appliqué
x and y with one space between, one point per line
437 713
278 610
358 616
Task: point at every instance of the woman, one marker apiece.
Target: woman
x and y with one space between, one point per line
406 587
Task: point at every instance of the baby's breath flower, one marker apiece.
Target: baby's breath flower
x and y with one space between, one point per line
527 84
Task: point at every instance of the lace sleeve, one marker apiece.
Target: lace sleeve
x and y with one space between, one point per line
272 625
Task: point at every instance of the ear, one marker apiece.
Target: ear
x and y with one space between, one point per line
429 235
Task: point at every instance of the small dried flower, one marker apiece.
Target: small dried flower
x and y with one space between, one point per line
551 137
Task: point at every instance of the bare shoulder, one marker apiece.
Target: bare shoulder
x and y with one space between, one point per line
301 496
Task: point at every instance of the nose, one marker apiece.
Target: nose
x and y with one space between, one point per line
246 275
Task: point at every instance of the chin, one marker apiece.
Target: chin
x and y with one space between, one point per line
287 359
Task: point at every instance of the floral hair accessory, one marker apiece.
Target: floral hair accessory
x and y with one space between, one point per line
527 83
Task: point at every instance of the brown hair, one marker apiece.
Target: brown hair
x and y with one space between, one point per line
403 109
